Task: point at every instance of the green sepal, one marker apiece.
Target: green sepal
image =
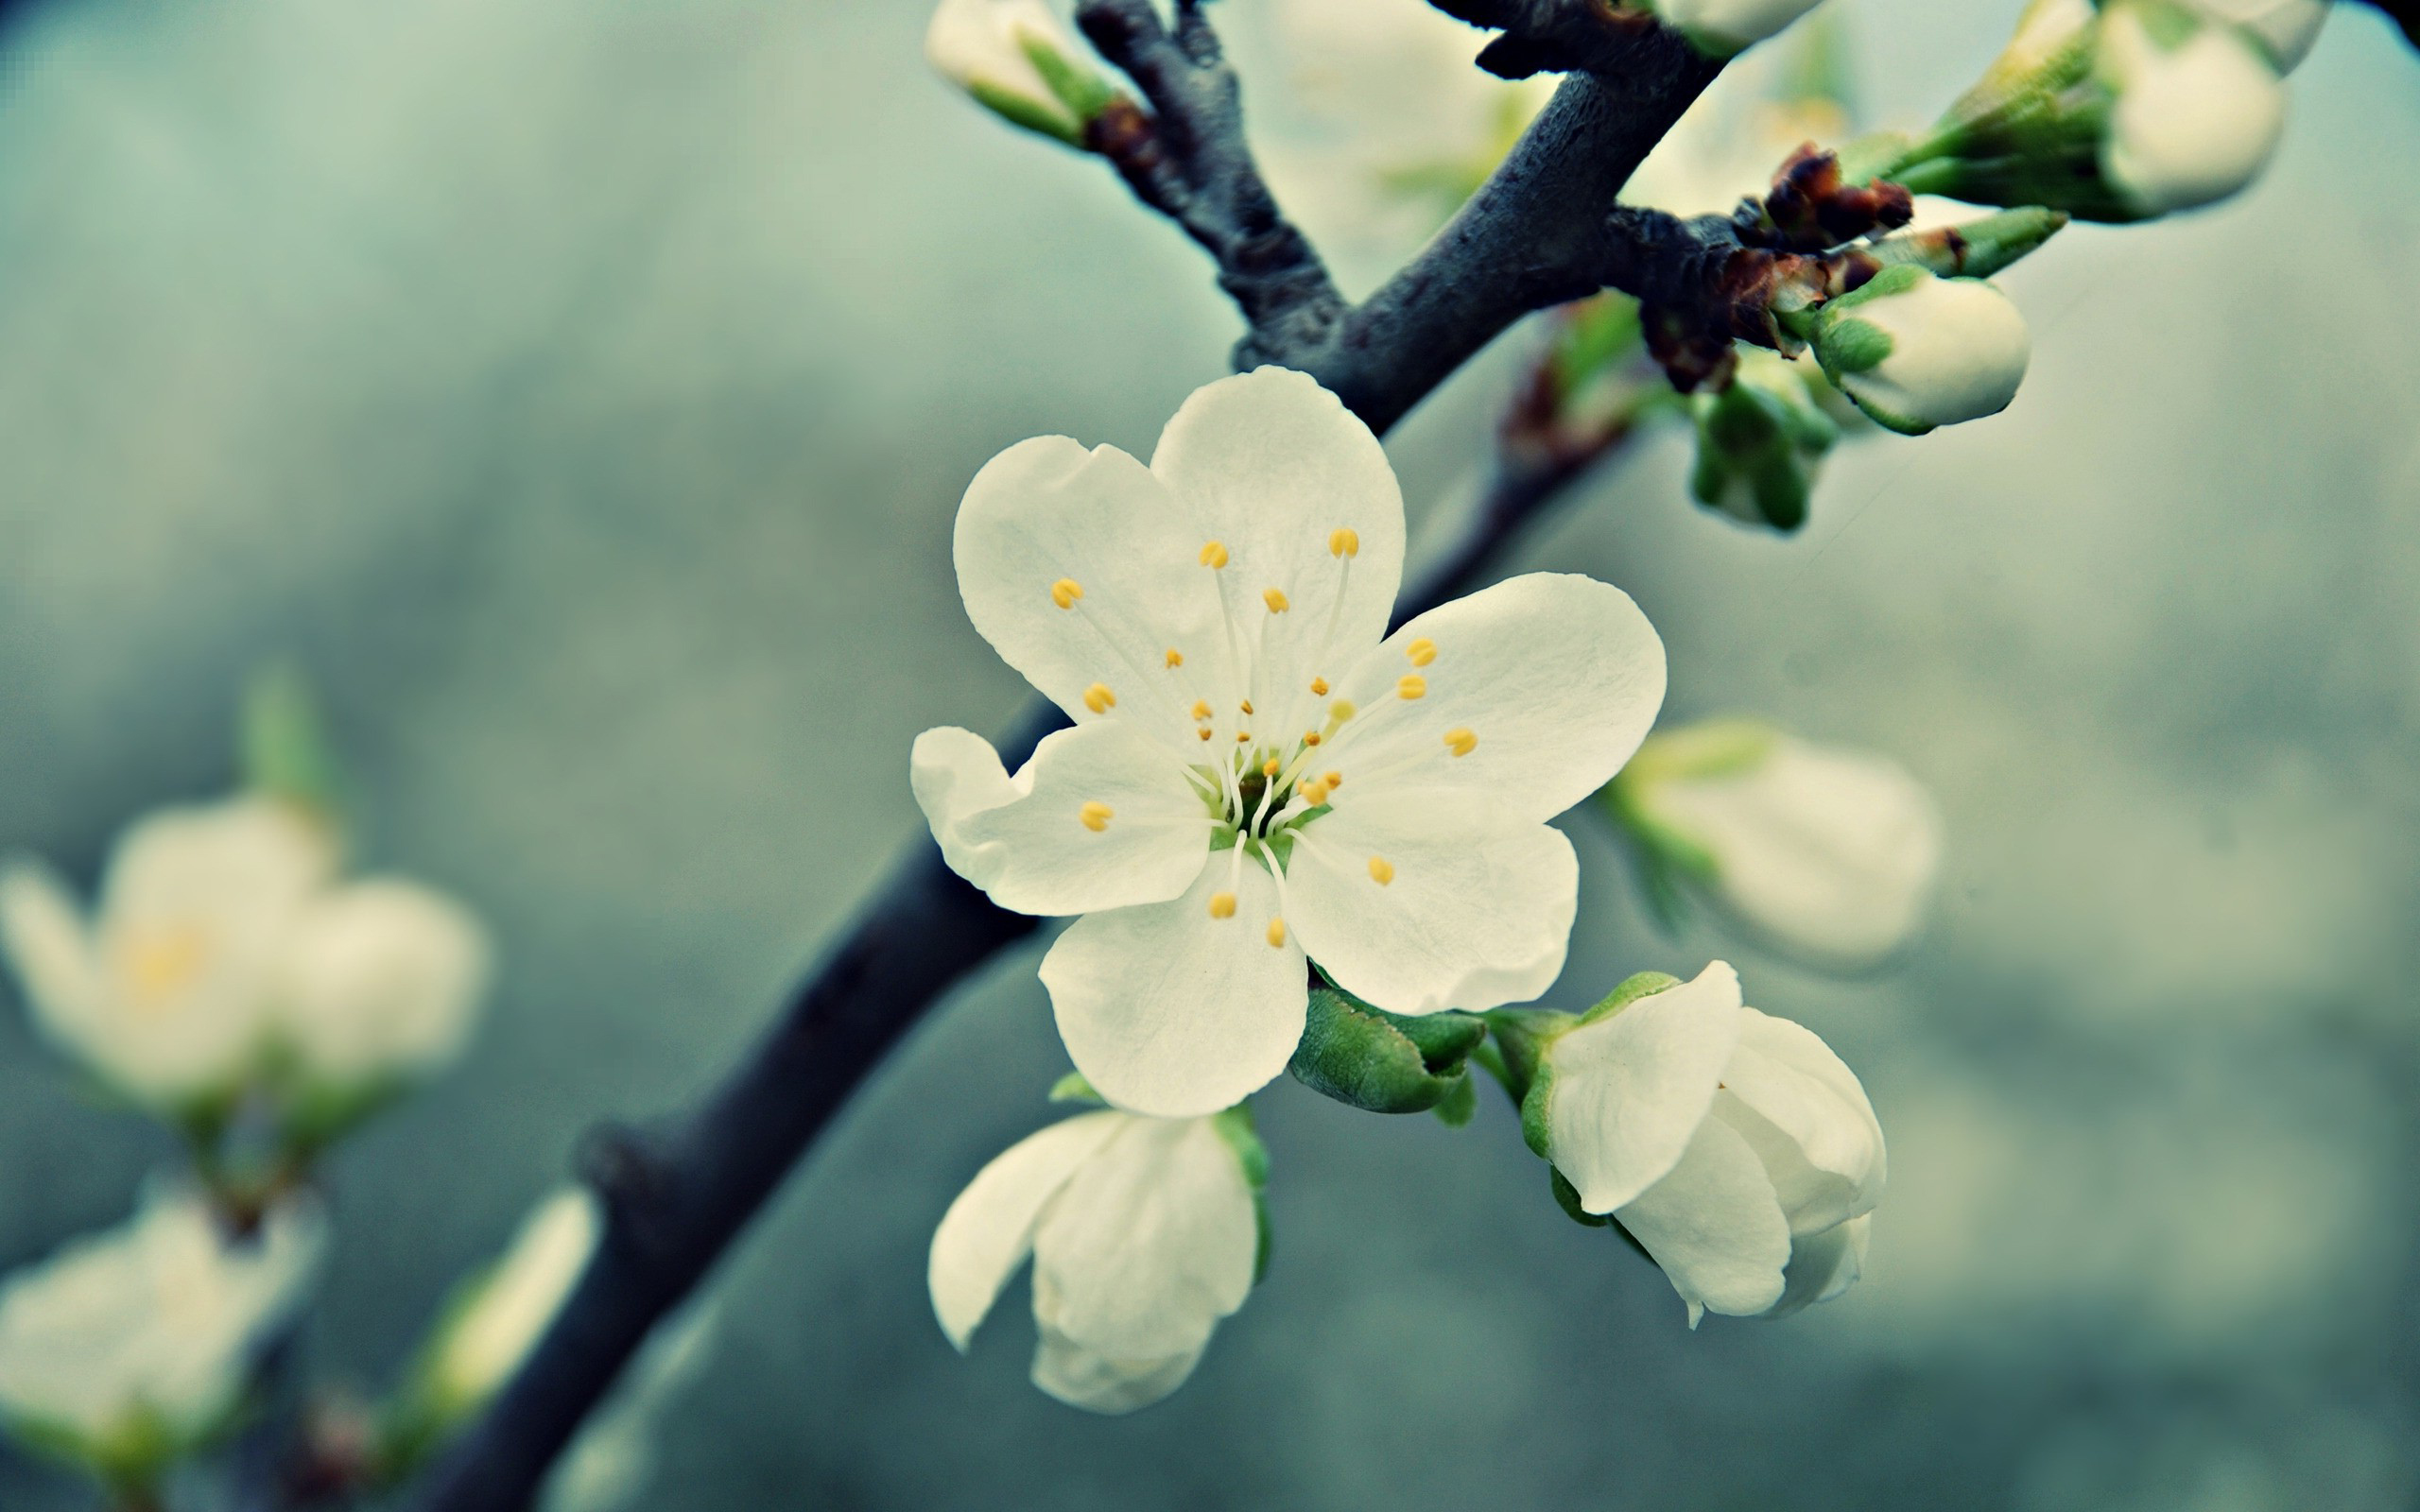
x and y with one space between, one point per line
1084 93
1527 1035
1458 1107
283 744
1382 1062
1073 1088
1629 990
1974 248
1846 345
1567 1196
1019 111
1236 1126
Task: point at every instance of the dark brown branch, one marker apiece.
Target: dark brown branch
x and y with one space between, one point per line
1187 158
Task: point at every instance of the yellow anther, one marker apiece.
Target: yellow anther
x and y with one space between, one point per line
1066 592
1332 779
1204 734
1200 708
1318 687
1421 651
1313 794
1243 737
1247 706
1276 600
1460 742
1412 685
1213 555
1176 657
160 963
1276 933
1096 815
1381 871
1271 767
1310 737
1344 544
1222 905
1100 699
1340 711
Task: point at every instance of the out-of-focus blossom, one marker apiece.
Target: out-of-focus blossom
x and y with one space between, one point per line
1734 1147
497 1317
1017 60
2285 29
1145 1232
1831 853
1254 773
1916 353
1761 441
1723 28
130 1348
2197 110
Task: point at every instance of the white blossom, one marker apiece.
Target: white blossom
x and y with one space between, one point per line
1916 352
1726 27
1145 1232
1257 771
1831 853
2195 119
989 48
222 934
505 1310
1734 1147
2285 29
134 1345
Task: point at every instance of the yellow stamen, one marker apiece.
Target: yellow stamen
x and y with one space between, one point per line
1200 708
1310 737
1421 651
1332 779
160 963
1247 706
1214 556
1271 767
1313 794
1276 933
1100 699
1222 905
1344 544
1066 592
1176 657
1094 816
1340 711
1276 600
1204 734
1380 871
1460 742
1318 687
1243 737
1412 685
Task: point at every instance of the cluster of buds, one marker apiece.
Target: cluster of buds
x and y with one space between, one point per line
1015 59
2123 111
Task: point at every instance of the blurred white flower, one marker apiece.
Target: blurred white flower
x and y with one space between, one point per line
1254 773
131 1348
1917 353
2198 109
166 991
497 1318
1145 1232
1015 58
1734 1147
2285 29
223 937
1831 853
1726 27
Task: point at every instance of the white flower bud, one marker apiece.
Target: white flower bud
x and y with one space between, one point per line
381 984
1736 1148
2198 110
1145 1232
498 1316
1831 854
1726 27
1917 352
1016 59
2285 29
133 1347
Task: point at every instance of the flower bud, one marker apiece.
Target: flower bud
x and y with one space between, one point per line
1145 1232
1916 351
2284 28
496 1318
1016 59
1722 27
2197 110
1734 1148
1831 854
1760 441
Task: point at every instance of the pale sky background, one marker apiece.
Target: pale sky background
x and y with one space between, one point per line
581 390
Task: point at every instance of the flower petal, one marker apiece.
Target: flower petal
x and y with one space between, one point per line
1714 1225
1475 911
1823 1265
1172 1012
1084 573
1100 818
1151 1243
1536 690
1628 1092
52 951
988 1231
383 978
1300 495
1097 1383
1803 1111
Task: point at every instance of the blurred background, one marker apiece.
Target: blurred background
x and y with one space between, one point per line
582 392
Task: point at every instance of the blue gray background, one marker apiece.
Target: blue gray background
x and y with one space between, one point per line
581 390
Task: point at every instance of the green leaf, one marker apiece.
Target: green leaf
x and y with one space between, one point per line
1378 1061
1458 1107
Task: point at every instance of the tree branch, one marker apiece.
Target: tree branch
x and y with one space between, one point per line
677 1197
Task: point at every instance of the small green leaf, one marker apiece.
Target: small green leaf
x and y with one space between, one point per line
1378 1061
1458 1107
1072 1088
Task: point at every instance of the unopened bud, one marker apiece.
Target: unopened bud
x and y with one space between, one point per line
1917 352
1761 442
1015 59
2284 28
2197 110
